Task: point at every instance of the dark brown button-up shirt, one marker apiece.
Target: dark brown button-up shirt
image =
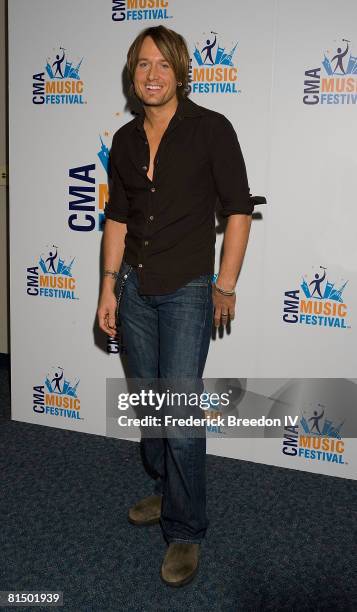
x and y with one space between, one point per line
171 219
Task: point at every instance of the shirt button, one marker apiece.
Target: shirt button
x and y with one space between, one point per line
146 243
153 189
140 265
151 217
144 167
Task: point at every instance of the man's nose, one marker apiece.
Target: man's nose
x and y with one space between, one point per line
152 72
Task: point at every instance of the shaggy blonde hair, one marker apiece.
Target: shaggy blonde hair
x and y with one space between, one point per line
173 48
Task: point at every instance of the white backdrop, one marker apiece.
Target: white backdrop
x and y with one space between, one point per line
301 156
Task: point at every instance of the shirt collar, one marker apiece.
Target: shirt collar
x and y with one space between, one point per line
185 108
188 108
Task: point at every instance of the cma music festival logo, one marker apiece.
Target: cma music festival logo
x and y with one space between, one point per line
60 82
212 69
88 192
138 10
315 438
52 277
58 396
335 81
318 302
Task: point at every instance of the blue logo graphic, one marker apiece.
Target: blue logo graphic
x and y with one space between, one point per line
60 83
59 384
314 425
58 396
322 303
337 64
52 277
103 155
340 84
61 68
320 439
214 70
315 288
212 54
48 265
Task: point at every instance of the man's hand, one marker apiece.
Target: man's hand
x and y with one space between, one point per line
106 312
234 245
224 307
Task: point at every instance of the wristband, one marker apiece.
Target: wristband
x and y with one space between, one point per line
111 273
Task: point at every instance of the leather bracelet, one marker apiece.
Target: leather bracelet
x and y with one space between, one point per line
223 291
111 273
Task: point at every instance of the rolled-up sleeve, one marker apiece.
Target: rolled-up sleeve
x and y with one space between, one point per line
228 169
117 206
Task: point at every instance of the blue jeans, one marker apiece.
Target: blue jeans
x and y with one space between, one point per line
168 336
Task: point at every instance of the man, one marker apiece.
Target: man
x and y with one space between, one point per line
168 166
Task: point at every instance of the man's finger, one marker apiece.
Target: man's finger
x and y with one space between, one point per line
102 322
217 316
111 321
105 324
224 317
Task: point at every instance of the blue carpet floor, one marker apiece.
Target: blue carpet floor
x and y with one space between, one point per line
279 540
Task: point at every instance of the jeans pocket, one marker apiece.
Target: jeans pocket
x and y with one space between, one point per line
200 281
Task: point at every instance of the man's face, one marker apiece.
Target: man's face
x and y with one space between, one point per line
154 79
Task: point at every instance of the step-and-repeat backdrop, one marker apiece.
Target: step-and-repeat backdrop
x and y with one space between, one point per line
285 74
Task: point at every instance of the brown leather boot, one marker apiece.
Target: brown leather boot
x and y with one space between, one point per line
180 564
147 511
